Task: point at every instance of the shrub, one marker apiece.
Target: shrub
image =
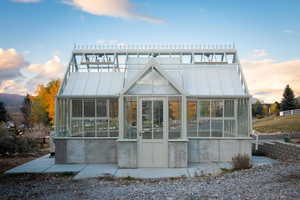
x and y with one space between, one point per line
241 162
287 139
10 145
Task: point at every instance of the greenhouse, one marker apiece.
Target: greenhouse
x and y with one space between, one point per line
152 106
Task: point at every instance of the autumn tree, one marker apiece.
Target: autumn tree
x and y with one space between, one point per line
43 104
288 101
275 108
26 110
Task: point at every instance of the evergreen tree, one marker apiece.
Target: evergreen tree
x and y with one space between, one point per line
26 110
257 109
3 113
288 101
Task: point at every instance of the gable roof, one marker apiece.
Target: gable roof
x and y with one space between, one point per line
152 64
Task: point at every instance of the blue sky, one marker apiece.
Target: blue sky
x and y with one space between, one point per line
263 30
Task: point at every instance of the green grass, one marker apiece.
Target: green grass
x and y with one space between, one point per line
276 124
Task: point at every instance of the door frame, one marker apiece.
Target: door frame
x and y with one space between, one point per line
165 129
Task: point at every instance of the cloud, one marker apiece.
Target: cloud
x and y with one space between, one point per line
257 53
267 78
13 87
43 73
112 8
289 31
11 62
26 1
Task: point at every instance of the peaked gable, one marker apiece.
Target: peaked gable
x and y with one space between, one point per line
152 80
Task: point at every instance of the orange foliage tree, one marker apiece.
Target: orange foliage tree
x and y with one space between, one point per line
43 104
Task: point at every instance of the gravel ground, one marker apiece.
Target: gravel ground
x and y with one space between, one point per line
278 181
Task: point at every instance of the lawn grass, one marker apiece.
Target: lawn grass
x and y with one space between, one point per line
276 124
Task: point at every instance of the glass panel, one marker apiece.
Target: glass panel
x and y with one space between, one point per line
102 127
242 118
101 108
76 128
147 119
229 108
89 108
77 108
113 117
204 128
204 109
192 118
152 83
174 118
89 127
158 119
229 128
216 128
216 108
130 116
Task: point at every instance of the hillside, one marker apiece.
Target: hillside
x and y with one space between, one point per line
12 102
277 124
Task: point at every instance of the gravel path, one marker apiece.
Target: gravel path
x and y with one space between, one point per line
278 181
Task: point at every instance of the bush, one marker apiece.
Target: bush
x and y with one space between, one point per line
241 162
10 145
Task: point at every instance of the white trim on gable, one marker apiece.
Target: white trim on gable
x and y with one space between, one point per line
152 64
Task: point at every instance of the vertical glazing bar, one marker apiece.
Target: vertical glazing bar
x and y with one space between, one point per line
235 116
183 117
121 117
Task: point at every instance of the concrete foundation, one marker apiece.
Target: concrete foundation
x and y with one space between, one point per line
85 150
127 154
177 154
204 150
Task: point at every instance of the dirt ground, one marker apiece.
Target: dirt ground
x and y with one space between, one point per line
8 162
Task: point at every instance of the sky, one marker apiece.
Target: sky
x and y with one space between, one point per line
37 36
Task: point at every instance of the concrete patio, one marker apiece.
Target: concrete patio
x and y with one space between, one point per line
46 165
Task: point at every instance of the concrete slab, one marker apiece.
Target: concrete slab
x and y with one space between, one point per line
148 173
262 160
97 170
201 169
36 166
62 168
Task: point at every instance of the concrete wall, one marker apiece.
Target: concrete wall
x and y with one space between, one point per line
177 154
127 154
280 150
87 150
203 150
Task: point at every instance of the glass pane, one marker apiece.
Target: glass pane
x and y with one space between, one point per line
204 128
130 116
204 109
89 127
152 83
192 118
102 127
216 128
113 117
77 108
101 108
76 128
89 108
229 128
147 119
242 118
174 118
158 114
229 108
216 108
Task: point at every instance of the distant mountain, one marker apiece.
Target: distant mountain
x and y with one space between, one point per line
12 101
